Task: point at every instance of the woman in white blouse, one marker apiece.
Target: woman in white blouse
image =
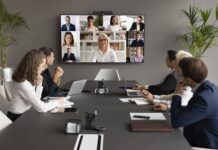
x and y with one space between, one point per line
114 26
27 89
104 52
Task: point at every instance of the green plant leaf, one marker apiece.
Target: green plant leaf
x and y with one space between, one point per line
9 22
205 14
200 35
216 13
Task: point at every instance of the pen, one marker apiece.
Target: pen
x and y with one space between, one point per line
140 116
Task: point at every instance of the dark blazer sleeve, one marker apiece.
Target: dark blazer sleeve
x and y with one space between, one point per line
133 27
167 87
64 27
142 26
65 57
193 112
49 87
72 27
73 57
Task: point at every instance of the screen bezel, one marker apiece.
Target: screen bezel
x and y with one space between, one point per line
144 21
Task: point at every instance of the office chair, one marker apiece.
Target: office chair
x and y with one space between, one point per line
5 121
199 148
107 74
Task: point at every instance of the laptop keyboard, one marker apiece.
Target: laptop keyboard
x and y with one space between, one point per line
133 93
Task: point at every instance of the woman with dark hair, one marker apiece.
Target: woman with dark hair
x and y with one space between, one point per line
27 89
90 25
114 26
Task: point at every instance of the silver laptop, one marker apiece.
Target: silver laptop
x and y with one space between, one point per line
76 87
131 92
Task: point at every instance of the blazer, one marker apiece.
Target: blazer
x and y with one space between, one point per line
134 26
168 86
49 87
137 43
72 27
71 57
199 117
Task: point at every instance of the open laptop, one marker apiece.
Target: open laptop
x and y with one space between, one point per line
76 88
131 92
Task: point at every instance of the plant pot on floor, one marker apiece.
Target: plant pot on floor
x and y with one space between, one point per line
6 74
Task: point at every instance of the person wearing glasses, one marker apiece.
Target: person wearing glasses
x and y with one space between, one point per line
68 26
104 52
90 25
138 42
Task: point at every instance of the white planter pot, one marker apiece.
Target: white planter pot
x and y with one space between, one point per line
6 74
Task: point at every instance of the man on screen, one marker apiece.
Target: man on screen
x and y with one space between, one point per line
138 25
138 42
68 26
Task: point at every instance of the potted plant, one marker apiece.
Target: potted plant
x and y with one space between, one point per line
200 33
9 22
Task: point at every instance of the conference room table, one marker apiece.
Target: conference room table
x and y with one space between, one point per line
46 131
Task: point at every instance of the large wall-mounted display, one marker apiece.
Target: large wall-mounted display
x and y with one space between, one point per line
102 39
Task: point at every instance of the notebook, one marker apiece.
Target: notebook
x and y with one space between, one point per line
150 126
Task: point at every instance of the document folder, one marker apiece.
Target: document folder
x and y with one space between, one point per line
150 126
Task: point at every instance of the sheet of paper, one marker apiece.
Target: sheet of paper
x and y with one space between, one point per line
89 142
153 116
137 101
66 104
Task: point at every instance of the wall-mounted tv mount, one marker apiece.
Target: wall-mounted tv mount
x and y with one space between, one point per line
101 13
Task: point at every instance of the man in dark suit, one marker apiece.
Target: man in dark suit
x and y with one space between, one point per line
200 117
69 57
50 82
138 25
68 26
168 86
138 42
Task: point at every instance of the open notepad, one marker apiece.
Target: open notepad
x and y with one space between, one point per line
66 104
89 142
137 100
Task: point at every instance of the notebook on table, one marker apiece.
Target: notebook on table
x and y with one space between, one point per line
150 126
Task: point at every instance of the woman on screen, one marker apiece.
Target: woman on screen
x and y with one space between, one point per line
68 45
114 26
104 52
27 88
90 25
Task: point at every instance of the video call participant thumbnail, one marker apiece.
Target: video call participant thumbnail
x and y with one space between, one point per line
68 26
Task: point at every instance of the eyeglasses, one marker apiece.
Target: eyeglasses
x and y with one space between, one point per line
102 39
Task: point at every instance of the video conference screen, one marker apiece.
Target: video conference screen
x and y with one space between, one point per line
102 39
